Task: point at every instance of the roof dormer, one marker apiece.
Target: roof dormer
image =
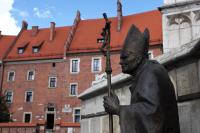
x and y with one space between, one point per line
22 47
36 47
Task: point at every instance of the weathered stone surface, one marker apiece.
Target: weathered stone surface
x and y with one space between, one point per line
95 104
184 117
85 126
167 2
105 124
180 23
187 79
189 116
198 70
95 125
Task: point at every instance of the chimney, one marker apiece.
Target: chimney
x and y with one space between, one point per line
119 15
24 25
52 31
34 30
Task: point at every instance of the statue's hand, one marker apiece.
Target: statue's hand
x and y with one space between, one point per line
111 104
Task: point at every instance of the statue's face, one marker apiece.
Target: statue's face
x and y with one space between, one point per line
129 62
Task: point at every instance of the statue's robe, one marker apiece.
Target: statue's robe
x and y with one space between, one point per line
153 107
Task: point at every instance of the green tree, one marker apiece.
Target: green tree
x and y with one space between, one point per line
4 111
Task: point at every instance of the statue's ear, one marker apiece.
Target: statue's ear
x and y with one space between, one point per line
146 34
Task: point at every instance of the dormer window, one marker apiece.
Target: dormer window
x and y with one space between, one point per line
36 47
22 48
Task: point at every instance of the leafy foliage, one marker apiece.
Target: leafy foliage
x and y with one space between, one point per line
4 111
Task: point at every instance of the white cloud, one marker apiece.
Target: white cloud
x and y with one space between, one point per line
21 13
8 24
42 13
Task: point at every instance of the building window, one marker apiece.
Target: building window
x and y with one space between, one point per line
29 96
150 54
22 47
77 115
52 82
20 50
54 64
36 49
30 75
96 64
73 89
9 96
27 117
11 76
74 65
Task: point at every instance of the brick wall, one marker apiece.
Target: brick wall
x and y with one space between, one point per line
38 128
42 95
59 96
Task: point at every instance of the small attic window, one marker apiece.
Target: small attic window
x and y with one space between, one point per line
36 47
20 50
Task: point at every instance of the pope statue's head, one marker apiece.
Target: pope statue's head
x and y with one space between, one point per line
134 50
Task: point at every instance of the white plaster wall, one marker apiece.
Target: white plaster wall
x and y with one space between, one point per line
95 105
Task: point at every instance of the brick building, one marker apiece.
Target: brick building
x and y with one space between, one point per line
5 44
46 68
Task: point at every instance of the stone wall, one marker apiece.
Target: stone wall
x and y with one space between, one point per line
186 81
181 23
167 2
94 106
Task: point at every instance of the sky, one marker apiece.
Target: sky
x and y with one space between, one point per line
63 12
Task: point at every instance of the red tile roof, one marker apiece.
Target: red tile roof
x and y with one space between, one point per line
49 49
5 43
89 30
85 38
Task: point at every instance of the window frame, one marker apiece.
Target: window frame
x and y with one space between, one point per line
25 100
74 110
100 64
11 96
33 75
76 89
8 79
49 85
35 48
20 50
24 114
151 53
78 65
